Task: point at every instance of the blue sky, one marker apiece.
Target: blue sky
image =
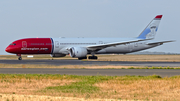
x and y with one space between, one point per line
88 18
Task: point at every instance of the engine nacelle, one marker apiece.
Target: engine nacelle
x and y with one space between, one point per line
58 55
78 52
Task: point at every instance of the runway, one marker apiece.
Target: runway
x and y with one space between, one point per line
109 72
92 72
78 62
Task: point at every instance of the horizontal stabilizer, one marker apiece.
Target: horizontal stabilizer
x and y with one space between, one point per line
159 42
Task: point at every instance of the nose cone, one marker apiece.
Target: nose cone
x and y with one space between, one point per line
8 49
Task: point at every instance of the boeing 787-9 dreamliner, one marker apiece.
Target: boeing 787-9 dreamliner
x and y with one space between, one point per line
81 47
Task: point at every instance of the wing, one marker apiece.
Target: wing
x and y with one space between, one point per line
102 46
159 42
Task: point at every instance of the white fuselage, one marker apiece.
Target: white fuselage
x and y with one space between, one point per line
61 45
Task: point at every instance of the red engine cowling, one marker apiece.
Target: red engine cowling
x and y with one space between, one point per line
78 52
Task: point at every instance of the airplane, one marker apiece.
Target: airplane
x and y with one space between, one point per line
81 47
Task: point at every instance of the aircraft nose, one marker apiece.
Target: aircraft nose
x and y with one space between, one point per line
8 49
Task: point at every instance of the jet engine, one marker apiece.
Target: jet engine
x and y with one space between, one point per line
58 55
78 52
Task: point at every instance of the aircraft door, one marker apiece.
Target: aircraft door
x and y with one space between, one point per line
56 44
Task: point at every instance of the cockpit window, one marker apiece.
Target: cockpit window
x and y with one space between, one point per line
13 44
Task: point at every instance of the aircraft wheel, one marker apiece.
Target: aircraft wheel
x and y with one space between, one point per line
92 57
20 58
82 58
95 57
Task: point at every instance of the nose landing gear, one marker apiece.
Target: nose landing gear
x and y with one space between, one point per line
19 58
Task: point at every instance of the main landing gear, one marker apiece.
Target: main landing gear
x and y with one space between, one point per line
93 57
19 58
90 57
82 58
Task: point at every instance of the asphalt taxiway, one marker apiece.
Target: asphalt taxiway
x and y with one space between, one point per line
92 72
109 72
78 62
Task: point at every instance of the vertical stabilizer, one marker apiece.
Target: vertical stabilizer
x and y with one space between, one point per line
150 31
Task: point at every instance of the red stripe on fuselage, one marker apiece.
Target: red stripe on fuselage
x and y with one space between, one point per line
31 46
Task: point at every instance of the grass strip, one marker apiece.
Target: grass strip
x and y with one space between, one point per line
80 66
86 84
117 87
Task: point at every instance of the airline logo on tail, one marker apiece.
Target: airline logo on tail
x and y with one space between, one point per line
150 31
